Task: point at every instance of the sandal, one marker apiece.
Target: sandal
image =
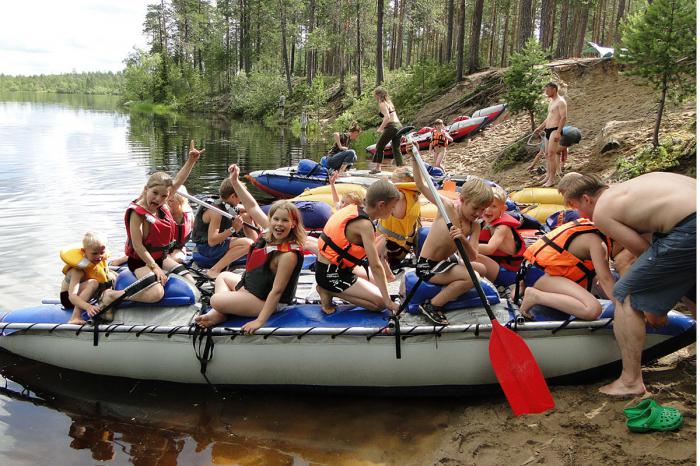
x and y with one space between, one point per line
656 418
433 313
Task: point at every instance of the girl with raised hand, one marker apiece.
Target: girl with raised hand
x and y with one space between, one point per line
150 228
272 270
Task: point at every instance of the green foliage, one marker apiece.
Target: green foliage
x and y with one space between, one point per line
671 155
69 83
525 79
143 78
513 155
255 95
661 45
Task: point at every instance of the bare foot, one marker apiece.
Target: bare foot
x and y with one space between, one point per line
619 388
328 310
529 300
210 319
76 321
109 296
548 184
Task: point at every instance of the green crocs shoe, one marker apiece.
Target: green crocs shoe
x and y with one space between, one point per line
639 408
656 418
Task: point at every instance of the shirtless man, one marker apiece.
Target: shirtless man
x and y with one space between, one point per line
661 204
552 126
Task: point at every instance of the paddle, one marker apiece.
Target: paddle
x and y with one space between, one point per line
516 369
216 209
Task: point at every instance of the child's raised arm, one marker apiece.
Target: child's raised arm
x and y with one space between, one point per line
249 202
184 172
422 187
334 192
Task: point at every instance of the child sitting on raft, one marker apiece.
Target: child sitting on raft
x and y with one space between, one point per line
562 267
184 221
348 241
438 263
397 232
87 276
350 197
501 247
272 267
340 157
219 238
150 229
439 141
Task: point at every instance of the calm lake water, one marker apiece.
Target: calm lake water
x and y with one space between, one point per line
73 163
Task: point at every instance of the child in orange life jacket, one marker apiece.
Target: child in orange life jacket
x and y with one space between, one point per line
218 238
151 229
348 241
438 263
501 247
272 268
438 142
86 276
184 221
564 265
396 233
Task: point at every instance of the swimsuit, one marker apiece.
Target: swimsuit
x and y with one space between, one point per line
426 268
548 132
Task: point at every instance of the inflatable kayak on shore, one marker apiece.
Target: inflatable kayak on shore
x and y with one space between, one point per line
422 137
300 346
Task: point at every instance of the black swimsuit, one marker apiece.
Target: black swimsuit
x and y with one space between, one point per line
549 131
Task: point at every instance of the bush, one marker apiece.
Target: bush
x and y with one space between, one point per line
512 155
255 95
670 155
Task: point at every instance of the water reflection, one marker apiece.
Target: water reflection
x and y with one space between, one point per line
166 424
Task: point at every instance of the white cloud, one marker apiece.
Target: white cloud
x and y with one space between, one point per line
49 36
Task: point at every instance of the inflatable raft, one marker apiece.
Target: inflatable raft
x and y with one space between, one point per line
422 137
302 347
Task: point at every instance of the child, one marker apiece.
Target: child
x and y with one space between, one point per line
184 221
396 232
219 238
501 247
86 277
272 269
564 265
348 241
340 157
438 142
150 229
350 197
438 263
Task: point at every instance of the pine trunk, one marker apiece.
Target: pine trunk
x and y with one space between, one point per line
476 36
450 28
285 58
660 111
492 36
504 48
581 30
561 39
310 65
618 19
379 58
459 71
399 44
524 23
358 51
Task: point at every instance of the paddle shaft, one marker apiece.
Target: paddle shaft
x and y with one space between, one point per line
458 243
216 209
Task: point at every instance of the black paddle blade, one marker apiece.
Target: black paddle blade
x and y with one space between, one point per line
518 373
405 130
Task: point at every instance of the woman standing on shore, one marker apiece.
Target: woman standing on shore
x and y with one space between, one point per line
389 129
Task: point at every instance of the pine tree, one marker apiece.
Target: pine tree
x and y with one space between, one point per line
660 47
525 79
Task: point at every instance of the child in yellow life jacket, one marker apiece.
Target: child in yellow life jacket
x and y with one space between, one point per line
438 142
397 233
563 265
86 277
273 265
438 263
501 247
348 241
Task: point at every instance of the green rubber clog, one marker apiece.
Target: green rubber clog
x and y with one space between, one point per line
639 408
656 418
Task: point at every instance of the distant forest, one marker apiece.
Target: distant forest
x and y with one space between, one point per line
68 83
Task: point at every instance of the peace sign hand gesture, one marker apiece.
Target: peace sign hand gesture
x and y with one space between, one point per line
194 152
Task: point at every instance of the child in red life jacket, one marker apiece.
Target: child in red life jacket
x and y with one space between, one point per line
272 267
438 143
184 221
501 247
150 229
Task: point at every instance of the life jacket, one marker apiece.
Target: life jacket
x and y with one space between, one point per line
335 246
75 259
550 253
183 230
401 230
161 232
200 231
258 278
507 261
439 138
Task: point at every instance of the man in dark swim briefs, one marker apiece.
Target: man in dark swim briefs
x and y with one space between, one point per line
556 118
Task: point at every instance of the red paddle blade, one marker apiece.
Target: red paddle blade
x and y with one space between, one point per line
518 373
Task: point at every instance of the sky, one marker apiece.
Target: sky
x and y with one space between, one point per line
59 36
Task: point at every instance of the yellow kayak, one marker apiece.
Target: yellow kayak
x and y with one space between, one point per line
538 196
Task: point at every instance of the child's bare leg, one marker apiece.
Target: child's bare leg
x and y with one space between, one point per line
169 264
226 281
327 305
439 155
86 291
151 294
490 267
561 294
364 294
456 281
237 248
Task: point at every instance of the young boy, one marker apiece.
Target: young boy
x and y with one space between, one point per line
438 263
564 265
348 241
220 238
438 143
350 197
86 277
501 247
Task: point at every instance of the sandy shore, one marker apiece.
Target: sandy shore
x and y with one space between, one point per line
584 428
